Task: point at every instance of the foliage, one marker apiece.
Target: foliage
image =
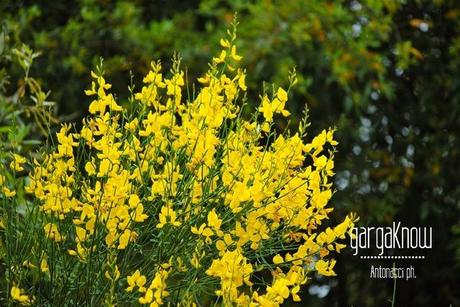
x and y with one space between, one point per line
275 35
25 114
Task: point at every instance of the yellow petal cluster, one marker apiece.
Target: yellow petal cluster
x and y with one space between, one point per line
187 189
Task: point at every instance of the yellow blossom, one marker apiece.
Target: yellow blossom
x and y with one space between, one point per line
167 216
18 295
325 267
136 280
8 192
17 163
52 232
44 265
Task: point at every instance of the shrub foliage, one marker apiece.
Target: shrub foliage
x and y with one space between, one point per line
176 197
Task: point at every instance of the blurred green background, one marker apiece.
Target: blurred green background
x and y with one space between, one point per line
384 72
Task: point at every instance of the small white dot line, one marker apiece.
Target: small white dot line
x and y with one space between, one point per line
392 257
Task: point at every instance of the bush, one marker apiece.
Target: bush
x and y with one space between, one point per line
175 198
25 113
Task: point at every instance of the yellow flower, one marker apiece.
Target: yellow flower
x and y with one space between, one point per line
279 289
242 80
124 239
44 265
221 58
213 220
167 216
235 56
222 245
8 192
133 201
139 215
203 231
325 267
278 259
114 276
81 252
132 125
157 289
224 43
17 163
266 127
18 295
29 264
90 169
52 232
136 280
81 234
279 102
233 270
266 109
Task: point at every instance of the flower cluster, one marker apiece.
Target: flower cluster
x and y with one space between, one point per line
179 196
